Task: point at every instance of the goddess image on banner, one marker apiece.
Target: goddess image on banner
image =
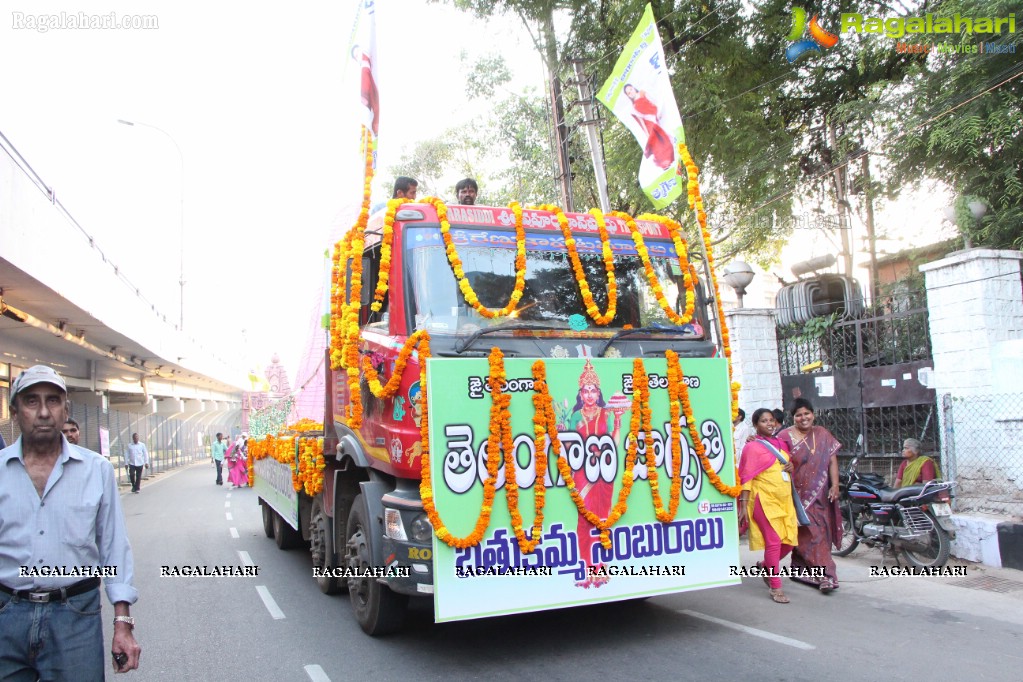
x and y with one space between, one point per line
639 93
592 416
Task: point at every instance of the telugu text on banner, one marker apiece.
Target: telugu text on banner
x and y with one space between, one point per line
592 405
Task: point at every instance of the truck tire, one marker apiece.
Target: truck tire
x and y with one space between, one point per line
268 520
377 609
321 547
285 536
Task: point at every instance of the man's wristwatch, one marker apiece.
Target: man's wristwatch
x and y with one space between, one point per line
125 619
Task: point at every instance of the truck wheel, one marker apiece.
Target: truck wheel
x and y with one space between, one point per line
377 609
286 536
268 520
320 547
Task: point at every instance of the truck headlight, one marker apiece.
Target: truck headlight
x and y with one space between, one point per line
422 531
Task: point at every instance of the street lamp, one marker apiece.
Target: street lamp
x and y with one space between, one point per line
181 268
977 209
738 275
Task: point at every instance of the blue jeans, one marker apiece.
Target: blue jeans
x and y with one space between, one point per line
220 471
53 641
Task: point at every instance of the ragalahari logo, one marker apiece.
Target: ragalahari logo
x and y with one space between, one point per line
803 46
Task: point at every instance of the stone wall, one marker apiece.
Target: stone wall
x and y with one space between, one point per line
755 358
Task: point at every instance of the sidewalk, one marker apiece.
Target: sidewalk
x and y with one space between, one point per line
997 592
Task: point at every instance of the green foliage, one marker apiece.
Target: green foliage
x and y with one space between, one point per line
766 132
812 330
967 115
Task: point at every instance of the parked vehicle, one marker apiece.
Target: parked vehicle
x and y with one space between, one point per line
915 521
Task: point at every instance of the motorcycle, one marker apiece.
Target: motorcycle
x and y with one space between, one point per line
915 521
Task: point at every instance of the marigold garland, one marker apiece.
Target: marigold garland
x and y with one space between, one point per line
456 263
682 253
495 379
607 254
696 203
640 397
386 241
345 308
390 389
679 391
667 515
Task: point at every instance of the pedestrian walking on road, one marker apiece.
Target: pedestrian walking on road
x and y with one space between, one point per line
219 451
60 510
237 456
137 457
815 455
766 499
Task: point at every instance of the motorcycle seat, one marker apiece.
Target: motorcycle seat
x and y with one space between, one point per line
896 494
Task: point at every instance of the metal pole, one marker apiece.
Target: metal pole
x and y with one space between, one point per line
590 122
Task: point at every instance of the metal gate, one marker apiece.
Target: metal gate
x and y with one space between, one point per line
867 375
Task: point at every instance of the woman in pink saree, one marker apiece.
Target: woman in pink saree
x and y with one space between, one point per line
815 454
237 462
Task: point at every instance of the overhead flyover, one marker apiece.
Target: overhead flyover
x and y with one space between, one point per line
63 303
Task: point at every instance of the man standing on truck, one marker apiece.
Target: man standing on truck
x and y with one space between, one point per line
466 191
405 188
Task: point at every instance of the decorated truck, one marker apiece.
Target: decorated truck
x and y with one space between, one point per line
525 411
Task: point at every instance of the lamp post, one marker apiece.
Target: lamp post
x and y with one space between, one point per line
977 209
181 264
738 275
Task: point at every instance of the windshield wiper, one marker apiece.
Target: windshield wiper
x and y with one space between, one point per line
638 330
508 326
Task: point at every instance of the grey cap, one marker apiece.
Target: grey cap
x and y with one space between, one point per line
39 374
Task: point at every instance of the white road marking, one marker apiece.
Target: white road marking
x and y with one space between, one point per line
228 515
234 532
227 504
780 639
269 602
316 673
229 494
245 558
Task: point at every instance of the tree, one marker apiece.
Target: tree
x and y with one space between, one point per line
965 126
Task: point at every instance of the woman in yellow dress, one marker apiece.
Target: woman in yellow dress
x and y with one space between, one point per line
766 499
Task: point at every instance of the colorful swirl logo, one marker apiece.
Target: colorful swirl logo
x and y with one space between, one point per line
800 46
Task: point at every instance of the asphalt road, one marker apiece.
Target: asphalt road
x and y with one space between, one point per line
278 626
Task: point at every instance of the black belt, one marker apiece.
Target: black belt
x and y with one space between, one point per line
60 593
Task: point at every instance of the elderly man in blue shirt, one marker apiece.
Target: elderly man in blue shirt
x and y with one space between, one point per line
62 528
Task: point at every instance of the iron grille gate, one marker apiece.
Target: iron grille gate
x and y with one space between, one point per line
872 378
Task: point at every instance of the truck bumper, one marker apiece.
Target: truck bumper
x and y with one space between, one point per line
408 542
419 582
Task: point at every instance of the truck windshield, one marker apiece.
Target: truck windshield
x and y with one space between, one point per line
551 294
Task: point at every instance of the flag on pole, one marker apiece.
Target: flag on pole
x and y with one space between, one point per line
364 53
639 93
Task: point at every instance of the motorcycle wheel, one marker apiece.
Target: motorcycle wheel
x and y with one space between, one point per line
930 553
849 539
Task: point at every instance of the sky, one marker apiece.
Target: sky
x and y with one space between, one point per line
262 105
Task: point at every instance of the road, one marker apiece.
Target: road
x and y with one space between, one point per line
278 626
